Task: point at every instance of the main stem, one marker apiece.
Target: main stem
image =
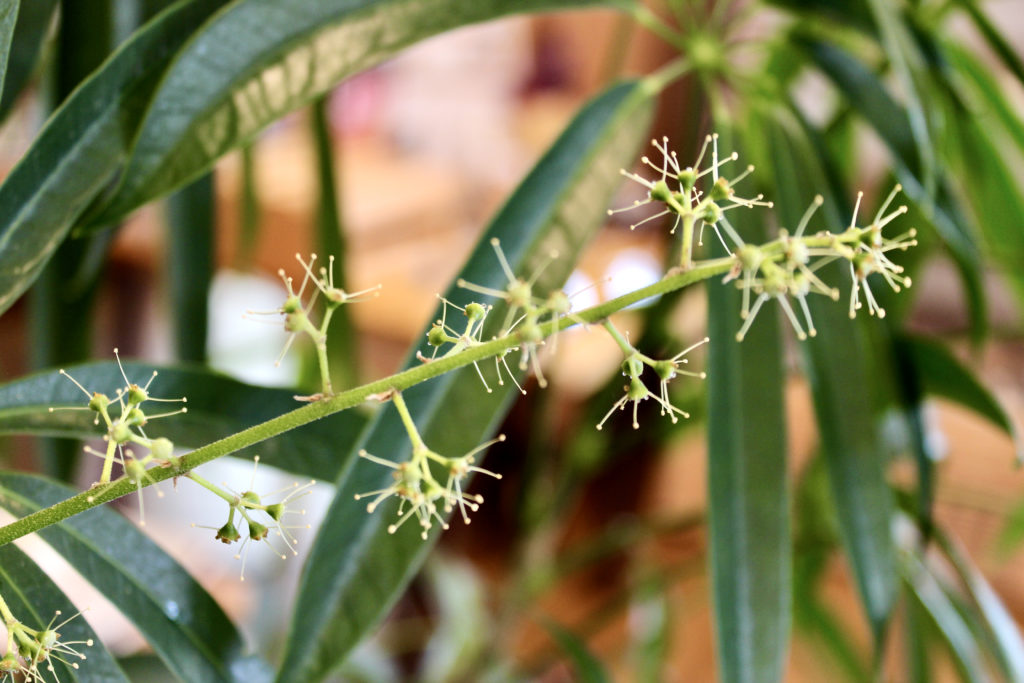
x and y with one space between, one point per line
353 397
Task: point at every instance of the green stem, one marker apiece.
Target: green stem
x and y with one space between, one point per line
688 221
6 613
626 347
353 397
211 487
410 426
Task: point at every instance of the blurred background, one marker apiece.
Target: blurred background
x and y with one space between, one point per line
608 545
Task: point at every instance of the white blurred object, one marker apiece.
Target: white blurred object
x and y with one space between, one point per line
248 348
630 270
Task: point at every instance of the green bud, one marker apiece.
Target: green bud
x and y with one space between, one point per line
660 191
291 305
251 499
721 190
99 402
257 531
135 418
637 391
632 367
135 470
475 311
436 336
9 664
665 370
228 534
136 395
275 511
687 178
711 213
162 448
121 433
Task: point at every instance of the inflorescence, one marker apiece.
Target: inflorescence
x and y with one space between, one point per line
298 317
31 651
261 519
419 493
785 267
125 429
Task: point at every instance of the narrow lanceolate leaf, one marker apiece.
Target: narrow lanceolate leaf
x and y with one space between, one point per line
839 366
37 602
748 508
8 19
356 569
82 147
943 375
260 59
34 20
182 623
218 406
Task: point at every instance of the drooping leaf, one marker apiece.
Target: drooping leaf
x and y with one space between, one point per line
182 623
37 602
82 147
748 490
356 569
218 406
261 59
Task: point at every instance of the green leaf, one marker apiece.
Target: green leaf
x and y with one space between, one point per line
8 20
82 147
34 20
999 624
271 57
357 570
839 366
182 623
585 666
995 39
943 375
984 90
218 406
926 587
748 491
36 601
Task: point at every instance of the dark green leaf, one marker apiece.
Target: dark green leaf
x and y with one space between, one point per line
34 20
943 375
357 570
261 59
985 91
218 406
839 366
37 602
8 19
585 666
748 506
82 147
182 623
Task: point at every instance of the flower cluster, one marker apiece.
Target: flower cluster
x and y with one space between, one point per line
298 317
31 651
124 419
525 311
695 195
259 517
785 268
420 494
636 391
